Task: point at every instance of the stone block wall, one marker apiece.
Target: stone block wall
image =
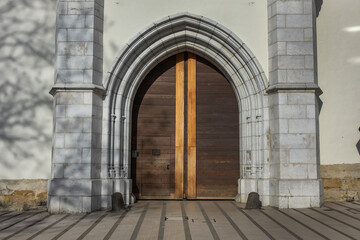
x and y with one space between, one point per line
23 194
341 182
294 165
78 95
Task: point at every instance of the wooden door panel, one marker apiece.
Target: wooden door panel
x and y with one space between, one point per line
155 190
207 112
217 134
191 127
155 167
153 133
179 126
151 142
224 156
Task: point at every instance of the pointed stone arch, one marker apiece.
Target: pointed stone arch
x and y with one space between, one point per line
208 39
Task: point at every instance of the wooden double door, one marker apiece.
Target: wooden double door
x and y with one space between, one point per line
185 132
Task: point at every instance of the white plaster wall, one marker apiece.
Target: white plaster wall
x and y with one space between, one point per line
27 30
338 30
246 18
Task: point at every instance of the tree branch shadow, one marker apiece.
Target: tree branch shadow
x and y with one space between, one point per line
27 33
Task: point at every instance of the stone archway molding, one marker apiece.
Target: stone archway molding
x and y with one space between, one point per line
279 145
204 37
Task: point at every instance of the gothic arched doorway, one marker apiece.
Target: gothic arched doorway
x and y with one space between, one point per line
185 132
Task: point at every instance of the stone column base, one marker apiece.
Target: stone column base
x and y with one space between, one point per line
261 186
110 186
73 195
284 193
300 193
78 195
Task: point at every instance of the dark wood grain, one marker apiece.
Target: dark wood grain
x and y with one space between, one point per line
206 162
217 134
154 128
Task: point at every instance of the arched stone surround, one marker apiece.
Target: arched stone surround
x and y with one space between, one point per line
279 145
206 38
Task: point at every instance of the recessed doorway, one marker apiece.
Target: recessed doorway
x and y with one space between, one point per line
185 132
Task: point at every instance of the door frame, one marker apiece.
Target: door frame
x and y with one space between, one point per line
201 36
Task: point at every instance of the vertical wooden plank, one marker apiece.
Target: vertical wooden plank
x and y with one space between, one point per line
191 153
153 128
217 134
179 127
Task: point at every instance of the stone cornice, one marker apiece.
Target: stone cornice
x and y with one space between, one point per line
294 87
68 87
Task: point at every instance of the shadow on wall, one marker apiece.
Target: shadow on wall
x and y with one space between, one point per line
113 46
27 33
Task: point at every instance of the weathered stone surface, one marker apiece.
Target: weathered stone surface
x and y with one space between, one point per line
117 202
253 201
238 198
332 183
340 171
341 182
293 110
78 109
20 195
341 195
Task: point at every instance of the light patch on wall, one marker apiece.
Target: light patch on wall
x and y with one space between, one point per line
338 29
354 60
27 70
246 18
352 29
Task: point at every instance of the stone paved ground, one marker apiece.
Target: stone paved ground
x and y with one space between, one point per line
188 220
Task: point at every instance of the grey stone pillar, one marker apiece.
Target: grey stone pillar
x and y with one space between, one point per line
294 166
78 92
